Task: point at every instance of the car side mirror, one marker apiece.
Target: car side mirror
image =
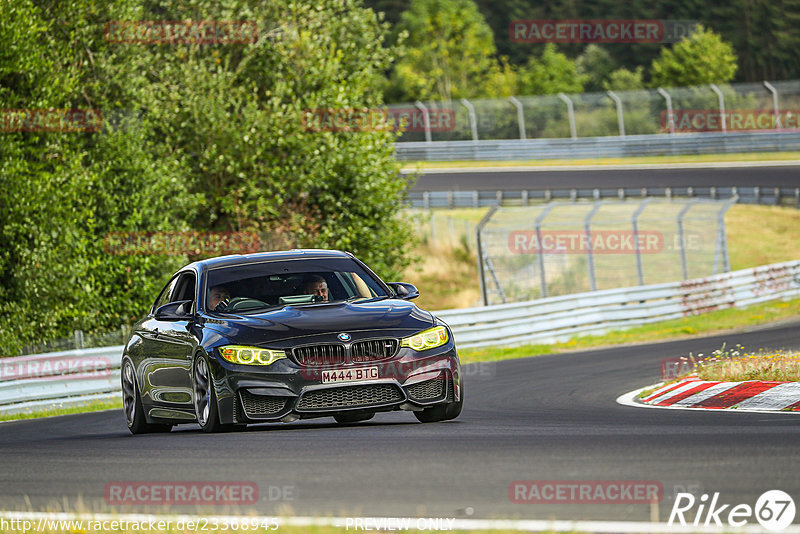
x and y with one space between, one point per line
404 290
175 311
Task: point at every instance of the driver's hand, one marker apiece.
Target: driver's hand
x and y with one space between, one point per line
222 305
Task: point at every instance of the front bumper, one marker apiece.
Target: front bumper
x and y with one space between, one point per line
286 391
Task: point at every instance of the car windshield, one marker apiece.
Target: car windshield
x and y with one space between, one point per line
255 287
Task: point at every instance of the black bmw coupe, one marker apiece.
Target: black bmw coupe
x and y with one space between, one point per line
281 336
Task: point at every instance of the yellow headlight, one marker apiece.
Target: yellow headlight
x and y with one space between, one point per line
427 339
251 355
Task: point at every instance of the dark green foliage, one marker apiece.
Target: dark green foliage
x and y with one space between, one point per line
203 138
764 33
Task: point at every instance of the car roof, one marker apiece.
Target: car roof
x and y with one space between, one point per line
242 259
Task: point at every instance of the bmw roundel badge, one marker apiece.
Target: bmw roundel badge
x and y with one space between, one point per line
344 337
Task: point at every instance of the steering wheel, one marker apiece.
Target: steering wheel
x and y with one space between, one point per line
240 303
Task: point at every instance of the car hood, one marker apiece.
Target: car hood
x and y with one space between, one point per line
394 317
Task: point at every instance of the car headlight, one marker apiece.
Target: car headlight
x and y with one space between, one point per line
427 339
250 355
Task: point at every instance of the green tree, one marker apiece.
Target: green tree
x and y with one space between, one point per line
551 73
62 192
596 63
214 139
449 53
623 79
701 58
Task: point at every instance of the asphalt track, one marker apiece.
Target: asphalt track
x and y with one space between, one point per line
763 175
543 418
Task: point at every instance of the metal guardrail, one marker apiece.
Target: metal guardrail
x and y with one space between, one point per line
556 319
600 147
59 379
478 199
78 376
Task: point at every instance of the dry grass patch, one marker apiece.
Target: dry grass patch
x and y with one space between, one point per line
738 365
760 235
446 277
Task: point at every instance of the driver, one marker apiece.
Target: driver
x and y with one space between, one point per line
218 295
317 286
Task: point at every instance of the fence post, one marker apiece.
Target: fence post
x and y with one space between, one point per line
721 99
571 113
479 251
620 118
520 116
771 89
670 115
635 224
426 119
473 120
726 260
452 231
682 238
587 225
537 225
78 335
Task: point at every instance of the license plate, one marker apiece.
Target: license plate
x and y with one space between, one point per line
349 375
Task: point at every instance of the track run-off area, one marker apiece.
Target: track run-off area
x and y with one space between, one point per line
546 418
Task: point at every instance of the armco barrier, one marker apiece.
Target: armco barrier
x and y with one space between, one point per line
555 319
600 147
38 381
59 379
770 196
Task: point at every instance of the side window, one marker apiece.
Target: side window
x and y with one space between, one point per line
184 289
163 297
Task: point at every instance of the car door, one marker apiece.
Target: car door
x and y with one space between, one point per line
169 348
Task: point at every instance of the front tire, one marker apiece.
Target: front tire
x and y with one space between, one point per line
205 399
442 412
132 405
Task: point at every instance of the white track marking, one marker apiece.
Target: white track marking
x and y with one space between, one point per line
533 525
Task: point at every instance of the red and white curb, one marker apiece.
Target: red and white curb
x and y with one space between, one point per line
694 394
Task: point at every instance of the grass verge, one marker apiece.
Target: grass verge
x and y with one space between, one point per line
91 407
738 365
648 160
706 324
